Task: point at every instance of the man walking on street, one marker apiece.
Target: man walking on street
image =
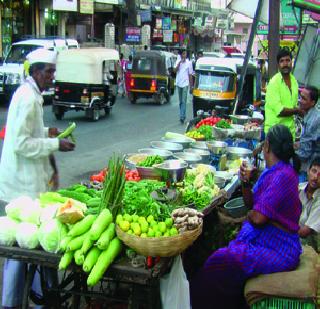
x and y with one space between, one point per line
183 82
309 145
282 95
27 163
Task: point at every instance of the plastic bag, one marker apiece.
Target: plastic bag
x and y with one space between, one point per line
174 287
8 231
27 236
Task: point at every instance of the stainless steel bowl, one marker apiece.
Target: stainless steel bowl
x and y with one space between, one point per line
188 157
184 141
224 174
166 146
132 159
211 168
148 173
240 119
200 145
165 154
205 154
217 147
219 181
171 170
234 153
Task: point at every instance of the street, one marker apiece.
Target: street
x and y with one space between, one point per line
127 128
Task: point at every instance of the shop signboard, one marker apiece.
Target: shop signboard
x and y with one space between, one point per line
290 19
166 23
167 36
86 6
177 4
157 34
158 23
65 5
174 25
145 15
109 1
133 35
197 22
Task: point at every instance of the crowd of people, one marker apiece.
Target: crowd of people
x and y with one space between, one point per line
283 214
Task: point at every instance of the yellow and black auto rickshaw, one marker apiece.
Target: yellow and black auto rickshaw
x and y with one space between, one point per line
216 85
152 76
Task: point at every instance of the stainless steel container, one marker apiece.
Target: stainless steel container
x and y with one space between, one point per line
217 147
190 158
240 119
165 154
205 154
167 146
184 141
171 170
234 153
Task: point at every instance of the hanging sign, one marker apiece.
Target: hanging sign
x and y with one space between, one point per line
145 15
174 25
65 5
86 6
166 23
167 36
133 34
158 23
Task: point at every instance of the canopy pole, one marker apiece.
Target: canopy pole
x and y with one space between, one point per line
253 32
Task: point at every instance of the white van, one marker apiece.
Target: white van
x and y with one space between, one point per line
11 71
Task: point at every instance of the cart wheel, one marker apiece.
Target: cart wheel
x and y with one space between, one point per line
161 98
132 98
168 97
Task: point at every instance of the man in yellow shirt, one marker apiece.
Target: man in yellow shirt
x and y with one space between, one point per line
282 95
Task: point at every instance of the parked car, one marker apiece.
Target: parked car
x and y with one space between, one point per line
11 70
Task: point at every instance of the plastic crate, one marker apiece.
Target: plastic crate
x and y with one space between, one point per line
283 303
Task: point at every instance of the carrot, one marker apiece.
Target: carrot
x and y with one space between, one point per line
100 224
106 237
91 259
104 261
82 226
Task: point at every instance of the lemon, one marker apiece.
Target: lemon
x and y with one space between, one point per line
162 227
144 235
157 234
130 232
169 222
124 226
150 233
119 219
144 227
166 234
133 224
142 219
153 223
150 218
135 218
137 230
173 231
127 217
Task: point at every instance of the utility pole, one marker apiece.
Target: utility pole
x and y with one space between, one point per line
273 36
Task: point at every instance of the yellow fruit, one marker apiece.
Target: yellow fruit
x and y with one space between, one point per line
127 217
130 232
137 230
157 234
150 233
135 218
133 224
162 227
150 218
142 219
144 227
124 226
166 234
119 219
153 223
169 222
144 235
173 231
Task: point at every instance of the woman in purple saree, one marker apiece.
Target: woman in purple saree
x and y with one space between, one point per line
268 241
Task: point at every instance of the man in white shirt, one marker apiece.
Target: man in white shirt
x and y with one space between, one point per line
184 72
27 164
310 199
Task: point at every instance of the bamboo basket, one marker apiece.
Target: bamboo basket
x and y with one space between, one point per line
160 246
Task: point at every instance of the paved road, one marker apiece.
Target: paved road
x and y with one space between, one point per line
128 128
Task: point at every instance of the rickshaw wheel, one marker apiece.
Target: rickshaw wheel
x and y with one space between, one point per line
132 98
95 114
161 98
107 110
168 97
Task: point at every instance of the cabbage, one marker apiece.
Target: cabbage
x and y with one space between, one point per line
8 231
24 209
50 234
27 235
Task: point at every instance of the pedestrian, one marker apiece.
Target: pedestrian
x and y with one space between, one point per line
310 199
27 163
308 146
183 69
282 95
121 82
127 74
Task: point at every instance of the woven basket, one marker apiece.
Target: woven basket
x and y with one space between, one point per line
159 246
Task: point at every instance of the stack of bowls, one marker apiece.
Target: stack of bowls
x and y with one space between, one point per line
173 147
188 157
205 154
235 153
165 154
171 170
217 147
240 119
185 141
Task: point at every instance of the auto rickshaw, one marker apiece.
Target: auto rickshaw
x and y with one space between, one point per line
152 76
216 82
86 79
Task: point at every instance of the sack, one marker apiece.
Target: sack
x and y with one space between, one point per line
174 287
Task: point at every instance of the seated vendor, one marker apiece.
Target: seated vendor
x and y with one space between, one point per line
310 199
268 241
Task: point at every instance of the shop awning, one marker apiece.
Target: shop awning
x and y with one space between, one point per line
174 11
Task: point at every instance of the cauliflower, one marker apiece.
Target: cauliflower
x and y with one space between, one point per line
199 181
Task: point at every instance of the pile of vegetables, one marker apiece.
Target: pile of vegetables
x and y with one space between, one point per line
92 244
149 161
204 131
137 200
131 175
195 134
146 226
223 124
211 121
199 188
